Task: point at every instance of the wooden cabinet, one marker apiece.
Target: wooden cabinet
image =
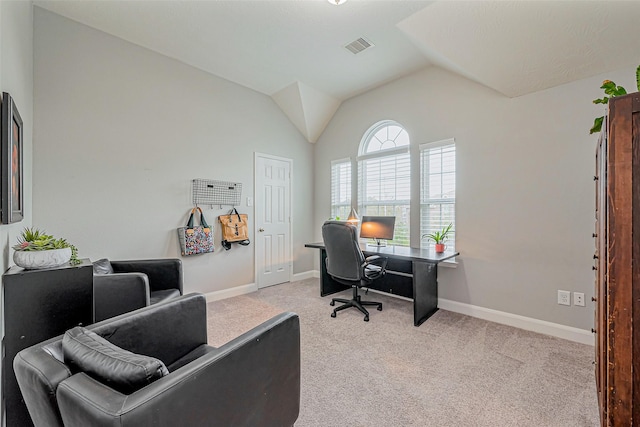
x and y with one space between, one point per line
38 305
617 264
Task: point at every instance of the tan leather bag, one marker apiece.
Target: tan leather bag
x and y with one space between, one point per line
235 226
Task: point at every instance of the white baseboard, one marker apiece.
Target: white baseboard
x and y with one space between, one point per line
232 292
252 287
530 324
316 273
305 275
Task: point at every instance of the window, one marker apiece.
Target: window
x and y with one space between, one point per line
384 176
340 188
437 189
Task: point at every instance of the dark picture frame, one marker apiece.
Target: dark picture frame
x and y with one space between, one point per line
11 165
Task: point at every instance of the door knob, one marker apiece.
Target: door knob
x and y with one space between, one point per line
261 230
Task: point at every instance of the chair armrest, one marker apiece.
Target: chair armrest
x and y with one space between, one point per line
376 260
118 293
162 273
252 380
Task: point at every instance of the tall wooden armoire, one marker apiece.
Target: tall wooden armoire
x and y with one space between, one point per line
617 264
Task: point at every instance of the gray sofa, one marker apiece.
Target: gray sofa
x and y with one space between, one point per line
253 380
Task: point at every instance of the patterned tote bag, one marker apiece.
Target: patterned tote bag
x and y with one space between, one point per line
195 239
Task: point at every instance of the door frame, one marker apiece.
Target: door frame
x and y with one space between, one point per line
257 155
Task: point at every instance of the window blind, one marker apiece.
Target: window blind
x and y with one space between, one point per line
340 189
437 190
384 188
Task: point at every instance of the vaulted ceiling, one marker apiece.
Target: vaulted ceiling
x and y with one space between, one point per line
293 50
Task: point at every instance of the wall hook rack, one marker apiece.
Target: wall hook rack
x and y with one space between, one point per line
213 192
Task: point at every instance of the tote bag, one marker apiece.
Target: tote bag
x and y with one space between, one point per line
195 239
235 226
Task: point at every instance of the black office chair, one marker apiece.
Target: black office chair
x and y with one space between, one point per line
346 264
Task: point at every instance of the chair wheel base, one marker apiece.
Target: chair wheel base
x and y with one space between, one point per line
379 308
332 303
366 318
333 314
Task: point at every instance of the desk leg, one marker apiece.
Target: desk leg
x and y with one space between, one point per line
328 286
425 291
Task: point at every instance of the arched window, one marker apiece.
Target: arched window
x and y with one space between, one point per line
384 176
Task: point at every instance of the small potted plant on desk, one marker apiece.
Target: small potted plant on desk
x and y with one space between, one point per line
36 249
439 237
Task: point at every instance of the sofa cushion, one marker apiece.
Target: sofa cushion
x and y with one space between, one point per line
194 354
102 266
126 372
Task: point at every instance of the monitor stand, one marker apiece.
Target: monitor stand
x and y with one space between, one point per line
378 242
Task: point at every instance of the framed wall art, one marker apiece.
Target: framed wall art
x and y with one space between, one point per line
11 167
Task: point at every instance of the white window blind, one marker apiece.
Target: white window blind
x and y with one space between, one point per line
437 190
340 189
384 177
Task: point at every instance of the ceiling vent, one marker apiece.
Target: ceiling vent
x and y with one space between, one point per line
358 46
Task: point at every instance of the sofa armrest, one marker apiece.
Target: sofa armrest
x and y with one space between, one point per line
252 380
39 373
118 293
162 273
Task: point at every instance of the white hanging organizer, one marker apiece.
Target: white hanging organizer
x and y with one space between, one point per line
212 192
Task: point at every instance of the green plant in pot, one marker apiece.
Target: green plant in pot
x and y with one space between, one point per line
439 237
610 90
36 249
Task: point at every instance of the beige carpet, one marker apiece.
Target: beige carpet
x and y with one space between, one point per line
453 370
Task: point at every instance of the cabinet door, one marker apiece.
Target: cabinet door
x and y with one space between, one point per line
600 263
38 305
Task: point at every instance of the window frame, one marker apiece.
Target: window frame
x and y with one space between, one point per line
335 208
364 156
424 203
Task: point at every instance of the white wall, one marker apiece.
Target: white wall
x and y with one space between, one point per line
16 78
120 132
525 192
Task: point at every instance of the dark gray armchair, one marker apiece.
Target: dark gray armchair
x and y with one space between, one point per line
123 286
253 380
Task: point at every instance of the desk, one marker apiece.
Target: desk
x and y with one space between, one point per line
411 273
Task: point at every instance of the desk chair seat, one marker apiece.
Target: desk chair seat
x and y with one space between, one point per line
346 264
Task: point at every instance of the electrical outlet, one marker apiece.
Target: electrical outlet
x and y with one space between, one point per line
564 297
578 299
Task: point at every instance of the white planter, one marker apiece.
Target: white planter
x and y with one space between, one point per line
42 259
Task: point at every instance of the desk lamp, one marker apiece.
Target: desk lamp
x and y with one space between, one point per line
353 217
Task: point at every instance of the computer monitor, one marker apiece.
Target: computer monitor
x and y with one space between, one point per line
378 228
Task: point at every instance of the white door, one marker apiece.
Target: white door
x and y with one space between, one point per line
273 220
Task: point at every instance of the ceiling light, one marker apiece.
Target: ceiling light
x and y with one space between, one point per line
337 2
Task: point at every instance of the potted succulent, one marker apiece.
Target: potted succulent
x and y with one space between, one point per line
439 237
36 249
